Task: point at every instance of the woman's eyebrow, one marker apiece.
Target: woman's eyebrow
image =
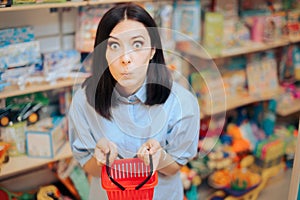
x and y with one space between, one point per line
136 37
113 37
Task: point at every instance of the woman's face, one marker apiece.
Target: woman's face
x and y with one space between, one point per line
128 54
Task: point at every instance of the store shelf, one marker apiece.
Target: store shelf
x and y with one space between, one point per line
42 5
294 39
18 164
61 5
197 50
233 102
113 1
15 91
285 110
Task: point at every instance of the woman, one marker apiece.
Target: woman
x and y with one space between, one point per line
130 105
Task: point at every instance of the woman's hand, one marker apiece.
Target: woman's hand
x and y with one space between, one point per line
103 147
153 148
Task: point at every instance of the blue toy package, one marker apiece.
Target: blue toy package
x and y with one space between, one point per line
16 35
296 62
20 54
18 49
269 118
61 59
186 20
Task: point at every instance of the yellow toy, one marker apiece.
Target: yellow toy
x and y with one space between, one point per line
48 193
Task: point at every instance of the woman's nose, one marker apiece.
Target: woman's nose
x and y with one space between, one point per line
126 59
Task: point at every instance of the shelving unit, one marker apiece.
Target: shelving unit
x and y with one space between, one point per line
195 50
113 1
43 5
237 101
61 5
289 109
18 164
249 47
15 91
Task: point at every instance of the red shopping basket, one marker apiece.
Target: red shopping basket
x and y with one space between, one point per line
129 179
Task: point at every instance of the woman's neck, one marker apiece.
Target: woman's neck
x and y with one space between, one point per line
126 92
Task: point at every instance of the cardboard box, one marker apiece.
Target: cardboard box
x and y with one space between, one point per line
45 138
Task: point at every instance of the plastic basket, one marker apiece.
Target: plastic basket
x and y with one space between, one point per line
129 179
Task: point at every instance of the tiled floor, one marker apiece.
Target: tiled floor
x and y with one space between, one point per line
277 187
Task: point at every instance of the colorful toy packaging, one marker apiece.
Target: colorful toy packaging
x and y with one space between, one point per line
45 138
15 135
20 55
16 35
213 32
88 19
269 152
187 20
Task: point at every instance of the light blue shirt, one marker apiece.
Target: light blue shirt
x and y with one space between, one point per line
175 124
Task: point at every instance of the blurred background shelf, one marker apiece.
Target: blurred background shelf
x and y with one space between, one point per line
15 91
22 163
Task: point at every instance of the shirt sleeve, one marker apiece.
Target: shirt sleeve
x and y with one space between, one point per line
80 136
183 134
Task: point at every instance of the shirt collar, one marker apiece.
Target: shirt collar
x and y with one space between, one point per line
139 96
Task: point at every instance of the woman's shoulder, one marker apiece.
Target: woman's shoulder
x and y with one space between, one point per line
183 96
79 96
182 92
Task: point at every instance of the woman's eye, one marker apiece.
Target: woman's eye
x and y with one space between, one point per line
138 44
113 45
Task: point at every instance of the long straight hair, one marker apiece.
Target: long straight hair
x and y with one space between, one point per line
101 84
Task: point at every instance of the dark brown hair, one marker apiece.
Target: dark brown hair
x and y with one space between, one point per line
100 86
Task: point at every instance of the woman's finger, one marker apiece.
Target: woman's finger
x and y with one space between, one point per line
100 156
113 152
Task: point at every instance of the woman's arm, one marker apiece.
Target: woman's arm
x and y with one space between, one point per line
162 161
167 165
92 167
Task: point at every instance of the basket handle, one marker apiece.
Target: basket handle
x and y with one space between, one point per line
121 186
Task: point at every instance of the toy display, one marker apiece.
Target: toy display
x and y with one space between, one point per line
191 180
60 64
4 157
87 26
15 135
189 177
220 159
49 192
16 35
186 20
261 73
29 113
251 193
213 32
237 181
23 108
8 195
45 138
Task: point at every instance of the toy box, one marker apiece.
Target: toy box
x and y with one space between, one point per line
187 20
45 138
16 35
213 32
